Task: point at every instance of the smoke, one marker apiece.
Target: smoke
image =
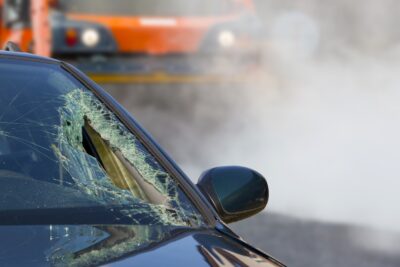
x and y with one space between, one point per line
321 122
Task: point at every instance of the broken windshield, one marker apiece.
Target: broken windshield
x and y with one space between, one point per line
65 158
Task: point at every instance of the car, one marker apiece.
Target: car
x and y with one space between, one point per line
140 41
155 27
126 27
83 184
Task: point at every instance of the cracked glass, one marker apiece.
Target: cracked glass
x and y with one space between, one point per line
65 158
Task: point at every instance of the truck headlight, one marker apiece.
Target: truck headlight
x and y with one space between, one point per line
226 39
90 37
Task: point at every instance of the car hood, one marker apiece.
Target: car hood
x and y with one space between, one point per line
115 246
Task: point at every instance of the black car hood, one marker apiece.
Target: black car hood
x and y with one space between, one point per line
117 246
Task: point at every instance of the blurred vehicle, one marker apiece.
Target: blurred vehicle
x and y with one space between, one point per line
155 27
124 30
82 184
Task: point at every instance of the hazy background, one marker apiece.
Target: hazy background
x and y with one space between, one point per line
320 121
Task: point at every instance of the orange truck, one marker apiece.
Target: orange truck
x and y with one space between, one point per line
121 28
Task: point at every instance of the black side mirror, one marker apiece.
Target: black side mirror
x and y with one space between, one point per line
235 192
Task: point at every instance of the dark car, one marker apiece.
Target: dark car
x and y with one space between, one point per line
82 184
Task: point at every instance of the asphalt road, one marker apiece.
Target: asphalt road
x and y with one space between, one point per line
305 243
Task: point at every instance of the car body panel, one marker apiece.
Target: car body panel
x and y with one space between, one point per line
118 246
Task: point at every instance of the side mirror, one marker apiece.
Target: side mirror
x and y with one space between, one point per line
235 192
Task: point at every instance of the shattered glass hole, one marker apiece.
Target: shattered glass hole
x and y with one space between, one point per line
115 166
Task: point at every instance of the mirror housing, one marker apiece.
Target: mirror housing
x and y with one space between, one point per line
235 192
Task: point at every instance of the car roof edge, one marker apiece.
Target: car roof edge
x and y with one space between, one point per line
27 56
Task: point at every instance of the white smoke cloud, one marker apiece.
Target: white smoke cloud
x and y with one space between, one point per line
322 123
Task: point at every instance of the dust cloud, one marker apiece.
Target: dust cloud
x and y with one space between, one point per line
321 122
